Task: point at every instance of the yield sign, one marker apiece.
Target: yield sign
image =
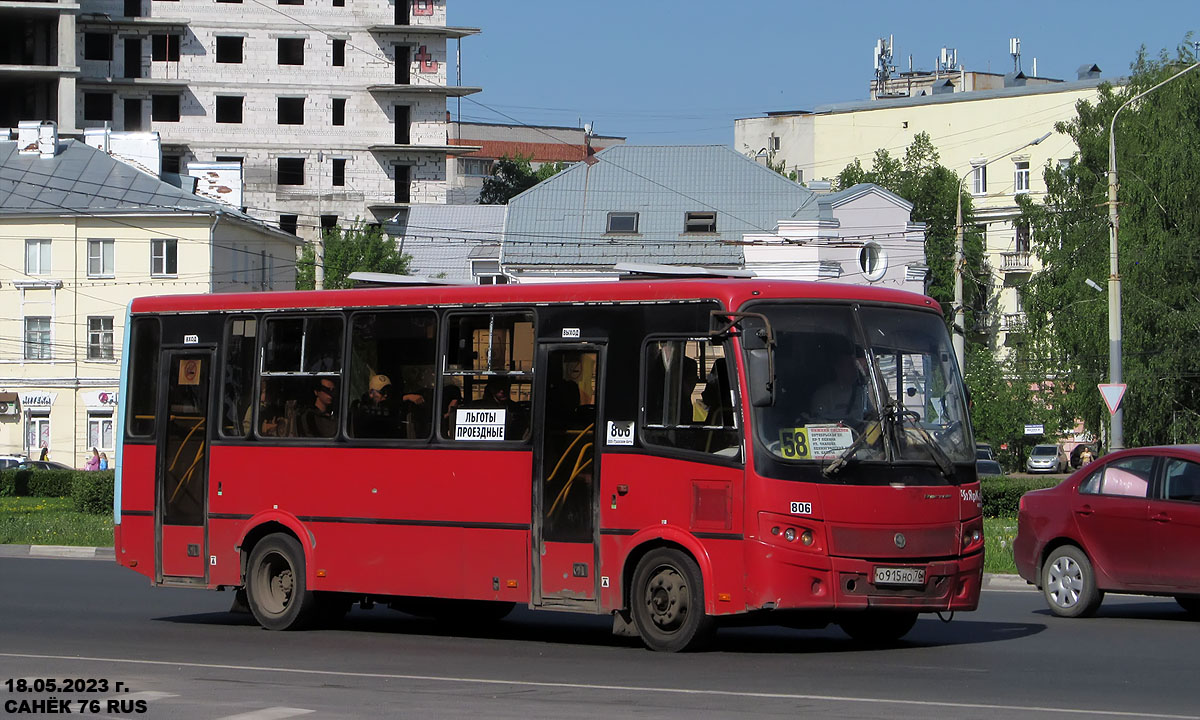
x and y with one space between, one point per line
1112 392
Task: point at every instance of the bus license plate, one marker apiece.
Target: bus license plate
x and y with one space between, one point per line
899 576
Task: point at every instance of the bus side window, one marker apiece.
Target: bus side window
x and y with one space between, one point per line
391 374
143 377
489 362
689 401
300 356
239 397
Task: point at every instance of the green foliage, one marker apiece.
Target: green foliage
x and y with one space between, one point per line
1003 401
1158 165
51 483
92 492
356 248
1002 495
51 521
933 190
512 176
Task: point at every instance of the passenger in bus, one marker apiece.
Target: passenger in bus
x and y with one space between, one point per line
451 399
562 393
670 379
320 418
496 395
375 415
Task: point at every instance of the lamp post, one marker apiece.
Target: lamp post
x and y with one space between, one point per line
960 261
1117 433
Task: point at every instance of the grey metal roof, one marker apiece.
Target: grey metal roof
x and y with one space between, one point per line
562 222
443 239
82 179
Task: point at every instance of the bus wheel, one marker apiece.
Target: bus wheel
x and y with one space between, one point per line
877 627
668 602
275 584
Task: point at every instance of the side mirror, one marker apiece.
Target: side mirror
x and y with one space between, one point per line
762 377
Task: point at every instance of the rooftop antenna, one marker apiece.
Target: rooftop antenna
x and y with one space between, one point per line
1014 49
883 66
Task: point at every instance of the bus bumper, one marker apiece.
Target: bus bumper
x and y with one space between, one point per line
782 579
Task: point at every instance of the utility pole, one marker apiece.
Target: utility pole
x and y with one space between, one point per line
319 249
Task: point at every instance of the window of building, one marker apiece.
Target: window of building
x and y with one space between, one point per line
37 338
171 163
229 1
773 143
488 366
229 109
402 8
289 223
1023 237
689 401
100 431
133 114
231 158
402 63
133 8
100 258
872 261
291 51
97 106
339 52
487 272
339 111
164 108
1021 176
291 2
37 257
290 171
164 257
391 384
301 376
1064 164
328 222
165 47
291 111
700 222
403 183
339 171
403 124
100 338
229 49
979 180
97 46
133 57
37 432
339 3
475 167
622 222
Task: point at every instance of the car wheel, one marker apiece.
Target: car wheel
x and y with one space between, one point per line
1190 603
667 602
276 586
1069 583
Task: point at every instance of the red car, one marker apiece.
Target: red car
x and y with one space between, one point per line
1128 522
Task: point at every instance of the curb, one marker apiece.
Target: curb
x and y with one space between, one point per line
1006 582
64 552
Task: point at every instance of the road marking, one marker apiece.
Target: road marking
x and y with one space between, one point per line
147 695
271 713
617 688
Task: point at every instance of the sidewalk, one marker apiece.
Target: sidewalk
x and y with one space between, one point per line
990 581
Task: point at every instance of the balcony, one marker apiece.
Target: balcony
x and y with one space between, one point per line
1018 261
451 33
1014 322
407 149
405 89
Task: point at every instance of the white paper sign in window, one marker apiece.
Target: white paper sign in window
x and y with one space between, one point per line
479 424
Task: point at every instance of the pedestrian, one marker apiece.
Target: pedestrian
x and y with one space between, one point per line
45 453
93 463
103 461
1085 456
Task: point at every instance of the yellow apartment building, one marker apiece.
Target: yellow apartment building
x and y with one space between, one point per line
83 234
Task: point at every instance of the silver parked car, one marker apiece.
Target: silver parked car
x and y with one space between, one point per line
1046 459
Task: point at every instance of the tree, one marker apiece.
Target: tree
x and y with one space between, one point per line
1158 162
513 176
932 189
1003 401
347 250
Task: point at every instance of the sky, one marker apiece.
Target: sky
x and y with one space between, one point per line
677 72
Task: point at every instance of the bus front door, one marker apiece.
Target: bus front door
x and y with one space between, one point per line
182 465
566 467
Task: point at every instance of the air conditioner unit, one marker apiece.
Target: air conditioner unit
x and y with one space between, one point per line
8 407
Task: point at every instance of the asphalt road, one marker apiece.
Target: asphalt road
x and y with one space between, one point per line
180 653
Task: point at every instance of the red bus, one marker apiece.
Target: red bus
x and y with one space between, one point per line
675 453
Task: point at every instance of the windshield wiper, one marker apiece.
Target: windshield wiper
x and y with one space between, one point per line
935 451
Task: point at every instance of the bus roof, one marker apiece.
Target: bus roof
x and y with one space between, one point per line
733 293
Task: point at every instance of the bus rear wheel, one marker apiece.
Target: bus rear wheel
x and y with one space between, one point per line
276 588
667 602
877 627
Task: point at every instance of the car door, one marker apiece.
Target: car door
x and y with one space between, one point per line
1112 512
1175 523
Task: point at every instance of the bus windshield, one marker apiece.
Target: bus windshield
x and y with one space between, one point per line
863 384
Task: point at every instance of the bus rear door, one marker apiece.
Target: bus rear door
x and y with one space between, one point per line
566 474
181 474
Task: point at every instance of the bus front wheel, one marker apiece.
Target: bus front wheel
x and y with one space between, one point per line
667 602
276 588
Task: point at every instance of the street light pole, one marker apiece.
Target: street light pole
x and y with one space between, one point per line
960 261
1117 433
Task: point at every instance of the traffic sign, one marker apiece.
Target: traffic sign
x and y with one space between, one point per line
1112 392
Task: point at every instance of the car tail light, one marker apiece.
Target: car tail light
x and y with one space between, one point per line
972 535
